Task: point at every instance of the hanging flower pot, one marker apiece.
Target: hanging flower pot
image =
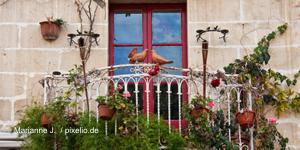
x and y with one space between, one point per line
199 111
105 113
45 121
50 30
245 118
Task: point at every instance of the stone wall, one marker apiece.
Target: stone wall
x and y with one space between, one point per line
25 57
248 21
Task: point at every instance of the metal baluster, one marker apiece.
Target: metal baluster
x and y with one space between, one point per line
179 105
106 93
239 109
158 91
147 101
136 91
116 121
229 109
169 105
97 108
251 129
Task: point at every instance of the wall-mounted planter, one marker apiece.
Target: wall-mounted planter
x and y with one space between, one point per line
50 30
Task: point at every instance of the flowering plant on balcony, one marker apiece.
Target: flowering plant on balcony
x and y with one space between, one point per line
202 102
199 108
115 102
268 135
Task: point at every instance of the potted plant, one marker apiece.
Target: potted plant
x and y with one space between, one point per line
267 136
45 121
245 118
199 106
109 105
50 29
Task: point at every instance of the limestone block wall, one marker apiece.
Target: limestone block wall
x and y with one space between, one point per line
25 57
248 21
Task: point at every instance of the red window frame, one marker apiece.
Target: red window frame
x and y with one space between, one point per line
146 10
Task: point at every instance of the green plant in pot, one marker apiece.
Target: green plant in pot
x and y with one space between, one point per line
108 105
267 135
51 28
199 106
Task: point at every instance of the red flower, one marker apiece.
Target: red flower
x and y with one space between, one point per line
156 67
120 87
152 72
215 83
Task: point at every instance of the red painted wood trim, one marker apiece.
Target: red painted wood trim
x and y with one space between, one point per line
167 44
126 45
147 10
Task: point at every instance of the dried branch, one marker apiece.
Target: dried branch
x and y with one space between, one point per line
79 11
86 44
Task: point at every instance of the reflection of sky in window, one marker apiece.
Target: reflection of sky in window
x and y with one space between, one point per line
128 28
166 27
173 53
121 57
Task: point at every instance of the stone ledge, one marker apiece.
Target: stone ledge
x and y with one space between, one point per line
9 140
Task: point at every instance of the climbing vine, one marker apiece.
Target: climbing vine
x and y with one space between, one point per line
273 88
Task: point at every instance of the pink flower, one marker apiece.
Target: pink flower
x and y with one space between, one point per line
120 87
211 104
272 120
126 94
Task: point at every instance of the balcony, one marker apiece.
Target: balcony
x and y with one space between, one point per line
163 93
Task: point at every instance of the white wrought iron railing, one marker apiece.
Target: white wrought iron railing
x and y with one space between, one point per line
189 82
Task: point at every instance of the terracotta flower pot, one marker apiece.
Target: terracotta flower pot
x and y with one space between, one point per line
45 121
197 112
105 113
246 118
50 30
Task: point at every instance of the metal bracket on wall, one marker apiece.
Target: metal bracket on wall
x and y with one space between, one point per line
200 32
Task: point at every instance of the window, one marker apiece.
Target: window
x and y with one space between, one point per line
161 27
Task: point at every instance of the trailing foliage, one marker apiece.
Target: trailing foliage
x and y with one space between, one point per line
267 135
272 87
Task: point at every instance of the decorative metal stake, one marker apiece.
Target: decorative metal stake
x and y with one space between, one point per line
204 58
200 32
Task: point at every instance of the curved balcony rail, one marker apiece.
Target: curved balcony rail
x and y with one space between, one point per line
185 82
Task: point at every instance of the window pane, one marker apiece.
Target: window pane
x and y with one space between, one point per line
166 27
173 53
121 57
128 28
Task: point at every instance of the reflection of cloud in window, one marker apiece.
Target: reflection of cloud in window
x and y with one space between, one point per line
155 21
128 28
166 27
